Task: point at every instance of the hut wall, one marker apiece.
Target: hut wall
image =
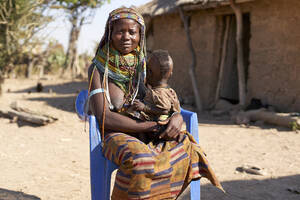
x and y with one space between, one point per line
168 33
274 71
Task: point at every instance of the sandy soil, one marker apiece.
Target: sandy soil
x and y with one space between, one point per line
52 162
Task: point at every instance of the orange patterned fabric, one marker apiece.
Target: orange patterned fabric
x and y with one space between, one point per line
157 170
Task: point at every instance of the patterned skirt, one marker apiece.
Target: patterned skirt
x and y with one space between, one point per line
155 170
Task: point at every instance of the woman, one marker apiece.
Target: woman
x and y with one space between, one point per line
160 170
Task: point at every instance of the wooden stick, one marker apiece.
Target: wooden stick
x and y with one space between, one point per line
240 52
223 57
23 116
194 60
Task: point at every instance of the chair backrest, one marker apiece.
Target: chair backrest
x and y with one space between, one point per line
100 168
80 102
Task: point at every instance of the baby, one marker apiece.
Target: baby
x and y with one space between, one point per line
160 101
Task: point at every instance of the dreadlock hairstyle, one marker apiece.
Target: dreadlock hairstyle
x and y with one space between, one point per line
126 75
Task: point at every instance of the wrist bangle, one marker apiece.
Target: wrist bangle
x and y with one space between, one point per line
174 113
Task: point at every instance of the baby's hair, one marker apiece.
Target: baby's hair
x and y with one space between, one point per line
164 59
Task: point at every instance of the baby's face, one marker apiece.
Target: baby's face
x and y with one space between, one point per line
153 76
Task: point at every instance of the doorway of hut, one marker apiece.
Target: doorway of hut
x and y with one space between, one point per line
229 87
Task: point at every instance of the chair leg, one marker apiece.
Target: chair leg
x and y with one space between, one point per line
195 185
107 180
195 190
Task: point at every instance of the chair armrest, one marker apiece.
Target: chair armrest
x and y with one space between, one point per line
191 120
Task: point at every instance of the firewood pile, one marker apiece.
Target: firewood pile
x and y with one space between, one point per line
16 112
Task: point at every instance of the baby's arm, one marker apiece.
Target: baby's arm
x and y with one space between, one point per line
149 109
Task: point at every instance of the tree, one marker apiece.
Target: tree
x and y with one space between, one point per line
56 57
79 12
20 21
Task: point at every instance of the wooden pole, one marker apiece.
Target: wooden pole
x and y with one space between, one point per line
240 52
193 65
223 57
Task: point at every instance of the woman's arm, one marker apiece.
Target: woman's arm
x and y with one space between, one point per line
114 121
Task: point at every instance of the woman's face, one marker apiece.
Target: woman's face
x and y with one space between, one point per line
125 35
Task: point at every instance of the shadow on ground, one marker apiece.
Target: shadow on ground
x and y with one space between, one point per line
13 195
62 103
67 102
283 188
65 88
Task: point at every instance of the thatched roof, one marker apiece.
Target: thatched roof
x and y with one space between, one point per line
160 7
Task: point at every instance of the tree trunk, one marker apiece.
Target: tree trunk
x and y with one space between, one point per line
78 68
43 63
41 71
30 65
7 40
192 69
1 82
72 49
240 52
29 69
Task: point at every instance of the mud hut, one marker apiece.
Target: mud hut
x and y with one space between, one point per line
271 45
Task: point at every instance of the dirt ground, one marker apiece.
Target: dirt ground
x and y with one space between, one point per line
52 162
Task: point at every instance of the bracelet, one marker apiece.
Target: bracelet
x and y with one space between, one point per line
93 92
174 113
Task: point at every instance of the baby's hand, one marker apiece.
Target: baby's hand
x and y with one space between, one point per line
138 105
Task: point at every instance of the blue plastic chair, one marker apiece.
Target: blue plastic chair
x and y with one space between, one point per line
101 168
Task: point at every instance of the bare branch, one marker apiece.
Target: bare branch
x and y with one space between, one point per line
2 16
10 7
58 7
3 8
10 4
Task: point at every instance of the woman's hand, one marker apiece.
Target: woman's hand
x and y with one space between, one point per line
173 129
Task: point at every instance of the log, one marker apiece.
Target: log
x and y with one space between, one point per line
24 114
35 119
278 119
